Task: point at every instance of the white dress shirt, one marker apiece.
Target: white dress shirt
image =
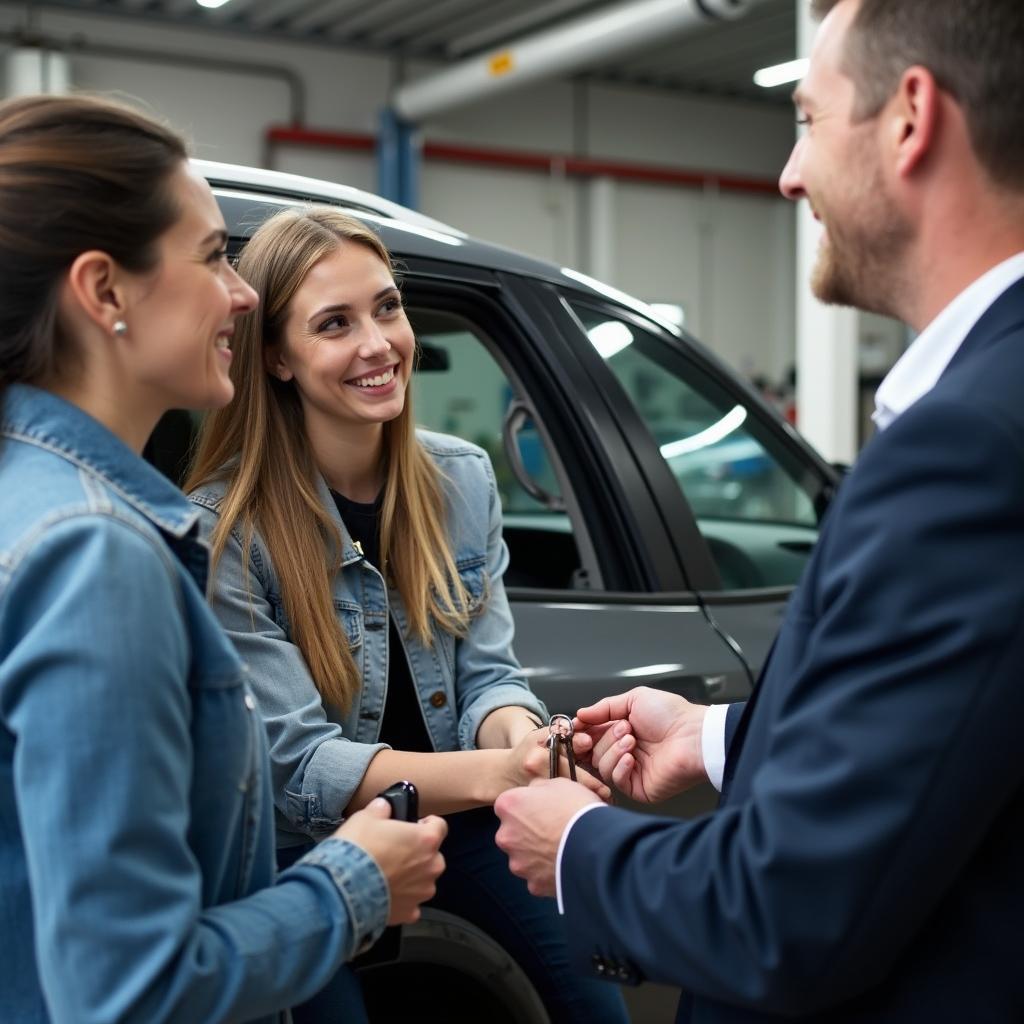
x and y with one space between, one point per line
920 367
916 372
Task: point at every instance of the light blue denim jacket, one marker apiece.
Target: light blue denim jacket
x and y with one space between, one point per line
136 840
318 755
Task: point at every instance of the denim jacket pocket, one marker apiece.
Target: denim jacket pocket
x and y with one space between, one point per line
475 578
350 617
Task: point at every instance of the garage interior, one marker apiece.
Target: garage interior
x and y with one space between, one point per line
649 164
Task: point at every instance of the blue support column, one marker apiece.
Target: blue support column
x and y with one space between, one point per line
398 160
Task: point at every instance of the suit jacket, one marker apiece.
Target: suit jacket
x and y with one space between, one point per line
867 860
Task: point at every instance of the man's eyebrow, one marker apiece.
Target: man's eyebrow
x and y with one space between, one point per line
219 234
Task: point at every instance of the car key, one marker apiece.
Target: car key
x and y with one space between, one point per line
560 735
404 801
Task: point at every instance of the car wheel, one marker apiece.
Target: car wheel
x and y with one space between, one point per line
447 970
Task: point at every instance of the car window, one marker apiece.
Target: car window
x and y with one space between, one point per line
461 389
752 501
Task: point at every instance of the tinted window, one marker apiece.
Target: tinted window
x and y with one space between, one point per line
753 503
461 389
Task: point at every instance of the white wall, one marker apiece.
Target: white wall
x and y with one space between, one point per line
727 258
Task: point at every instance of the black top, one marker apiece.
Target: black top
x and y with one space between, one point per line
403 727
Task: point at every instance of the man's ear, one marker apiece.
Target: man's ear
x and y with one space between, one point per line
273 359
96 285
913 117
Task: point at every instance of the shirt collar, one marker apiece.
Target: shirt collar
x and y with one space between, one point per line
920 367
44 419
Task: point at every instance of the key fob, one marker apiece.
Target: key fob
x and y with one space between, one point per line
404 800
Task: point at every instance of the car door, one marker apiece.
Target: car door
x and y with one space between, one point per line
599 598
740 492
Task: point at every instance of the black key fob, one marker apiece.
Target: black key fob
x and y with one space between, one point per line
404 800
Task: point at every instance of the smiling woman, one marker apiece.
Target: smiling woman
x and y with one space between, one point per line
135 807
358 568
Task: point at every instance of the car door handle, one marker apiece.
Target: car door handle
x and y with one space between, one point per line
514 420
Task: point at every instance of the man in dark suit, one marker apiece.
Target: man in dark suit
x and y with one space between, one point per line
867 859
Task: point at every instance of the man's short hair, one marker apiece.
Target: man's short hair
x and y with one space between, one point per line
975 50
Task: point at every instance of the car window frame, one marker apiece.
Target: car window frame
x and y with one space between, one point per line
544 373
690 544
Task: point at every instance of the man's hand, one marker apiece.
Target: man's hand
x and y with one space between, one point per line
532 822
406 853
647 742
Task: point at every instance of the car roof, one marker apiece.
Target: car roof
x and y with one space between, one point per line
248 194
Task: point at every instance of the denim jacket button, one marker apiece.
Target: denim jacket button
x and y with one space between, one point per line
438 698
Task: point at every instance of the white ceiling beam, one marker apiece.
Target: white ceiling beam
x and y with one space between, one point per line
428 14
371 15
228 11
509 28
277 11
324 14
483 15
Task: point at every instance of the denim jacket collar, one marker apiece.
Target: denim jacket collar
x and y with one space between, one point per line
42 418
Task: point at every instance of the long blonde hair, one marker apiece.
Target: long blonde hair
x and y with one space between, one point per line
257 444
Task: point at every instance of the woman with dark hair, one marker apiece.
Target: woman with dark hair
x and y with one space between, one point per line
358 568
136 831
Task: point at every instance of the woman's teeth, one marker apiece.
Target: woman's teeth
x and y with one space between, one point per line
375 382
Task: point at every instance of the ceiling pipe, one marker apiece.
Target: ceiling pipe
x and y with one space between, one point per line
544 163
79 44
558 51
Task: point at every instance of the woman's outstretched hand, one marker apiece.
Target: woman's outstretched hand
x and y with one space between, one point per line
529 760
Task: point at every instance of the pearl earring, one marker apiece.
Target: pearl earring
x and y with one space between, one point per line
120 328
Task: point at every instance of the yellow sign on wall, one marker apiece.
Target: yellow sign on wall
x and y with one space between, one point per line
501 63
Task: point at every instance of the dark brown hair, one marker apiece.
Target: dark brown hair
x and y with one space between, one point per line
974 48
76 173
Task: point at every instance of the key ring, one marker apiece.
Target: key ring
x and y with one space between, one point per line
560 735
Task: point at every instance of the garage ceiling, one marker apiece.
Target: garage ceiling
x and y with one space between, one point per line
718 58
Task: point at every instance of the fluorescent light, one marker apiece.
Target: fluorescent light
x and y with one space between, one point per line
670 311
643 671
621 297
780 74
712 435
610 338
211 3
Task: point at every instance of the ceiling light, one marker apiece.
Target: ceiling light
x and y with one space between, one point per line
780 74
211 3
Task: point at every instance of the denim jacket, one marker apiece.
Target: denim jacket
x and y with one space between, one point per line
319 755
136 840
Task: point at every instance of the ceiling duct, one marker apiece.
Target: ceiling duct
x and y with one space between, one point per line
559 51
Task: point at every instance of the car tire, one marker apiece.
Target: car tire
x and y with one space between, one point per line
447 970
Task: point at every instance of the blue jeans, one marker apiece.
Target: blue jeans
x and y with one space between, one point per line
478 887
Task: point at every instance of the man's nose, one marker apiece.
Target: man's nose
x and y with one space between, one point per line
791 183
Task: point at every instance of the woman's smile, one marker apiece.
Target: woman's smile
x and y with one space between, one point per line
381 381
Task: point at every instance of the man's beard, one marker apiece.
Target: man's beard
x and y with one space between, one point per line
863 266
